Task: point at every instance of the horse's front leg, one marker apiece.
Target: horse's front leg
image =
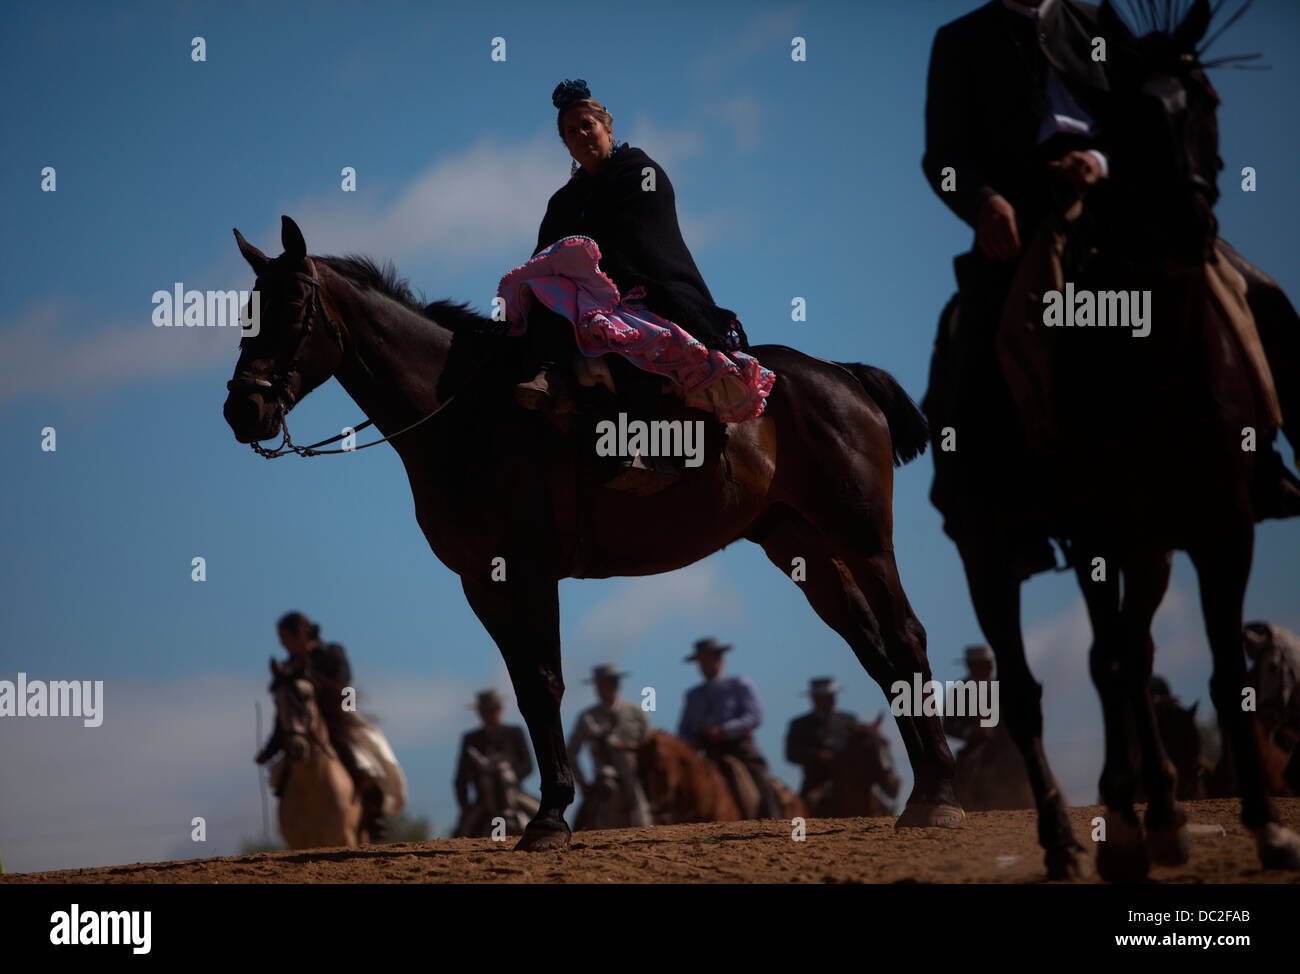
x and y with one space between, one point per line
522 614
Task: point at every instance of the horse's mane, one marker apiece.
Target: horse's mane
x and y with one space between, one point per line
1144 17
384 279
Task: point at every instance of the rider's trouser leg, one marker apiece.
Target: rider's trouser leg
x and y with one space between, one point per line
1279 333
745 750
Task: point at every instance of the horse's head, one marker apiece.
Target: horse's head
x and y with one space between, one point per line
660 774
872 748
1181 739
1166 162
299 344
295 704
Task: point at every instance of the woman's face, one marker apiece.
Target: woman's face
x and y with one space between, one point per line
587 139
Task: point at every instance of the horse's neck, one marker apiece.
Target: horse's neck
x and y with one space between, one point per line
393 357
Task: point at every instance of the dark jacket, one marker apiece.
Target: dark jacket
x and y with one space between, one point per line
640 242
329 671
504 740
811 734
986 100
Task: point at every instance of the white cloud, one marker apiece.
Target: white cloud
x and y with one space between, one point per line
482 204
668 146
39 355
171 750
744 115
768 32
640 605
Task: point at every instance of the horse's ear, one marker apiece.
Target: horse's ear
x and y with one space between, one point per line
256 259
1191 711
875 725
275 667
295 248
1192 29
1112 25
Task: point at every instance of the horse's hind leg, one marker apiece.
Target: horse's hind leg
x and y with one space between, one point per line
934 798
995 595
888 656
1222 571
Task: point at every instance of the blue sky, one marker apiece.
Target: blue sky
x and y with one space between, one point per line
791 179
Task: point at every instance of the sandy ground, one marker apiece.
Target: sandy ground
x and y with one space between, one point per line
992 847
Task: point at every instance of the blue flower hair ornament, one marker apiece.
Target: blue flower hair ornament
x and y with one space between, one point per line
567 92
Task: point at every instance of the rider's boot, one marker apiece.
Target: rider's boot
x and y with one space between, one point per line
549 391
372 812
641 474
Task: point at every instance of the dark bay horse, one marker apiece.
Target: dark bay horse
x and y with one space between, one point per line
513 504
1151 455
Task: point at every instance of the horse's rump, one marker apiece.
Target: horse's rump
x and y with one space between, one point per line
374 757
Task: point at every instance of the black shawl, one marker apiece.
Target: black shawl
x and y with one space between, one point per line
640 243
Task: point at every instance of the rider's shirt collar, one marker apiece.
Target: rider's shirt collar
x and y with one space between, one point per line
1020 8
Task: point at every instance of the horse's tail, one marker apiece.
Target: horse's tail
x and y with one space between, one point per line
907 426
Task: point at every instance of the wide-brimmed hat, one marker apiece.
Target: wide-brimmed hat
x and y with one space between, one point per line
605 671
979 653
819 685
486 700
707 645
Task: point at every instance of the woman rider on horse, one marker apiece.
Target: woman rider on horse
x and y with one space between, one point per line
326 666
612 272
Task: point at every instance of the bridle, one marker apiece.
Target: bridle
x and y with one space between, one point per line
307 735
279 383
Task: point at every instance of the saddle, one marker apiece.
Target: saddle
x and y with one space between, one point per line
1022 349
741 783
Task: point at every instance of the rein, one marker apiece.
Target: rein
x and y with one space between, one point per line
286 445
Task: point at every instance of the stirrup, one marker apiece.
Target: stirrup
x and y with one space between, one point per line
643 475
546 392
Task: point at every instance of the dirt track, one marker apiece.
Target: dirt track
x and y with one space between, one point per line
993 847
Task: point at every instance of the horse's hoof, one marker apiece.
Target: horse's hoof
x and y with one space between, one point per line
1069 862
1168 843
543 837
1122 854
1169 847
1279 847
930 817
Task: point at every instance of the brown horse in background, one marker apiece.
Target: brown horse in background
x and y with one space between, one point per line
683 785
513 504
862 778
1221 781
